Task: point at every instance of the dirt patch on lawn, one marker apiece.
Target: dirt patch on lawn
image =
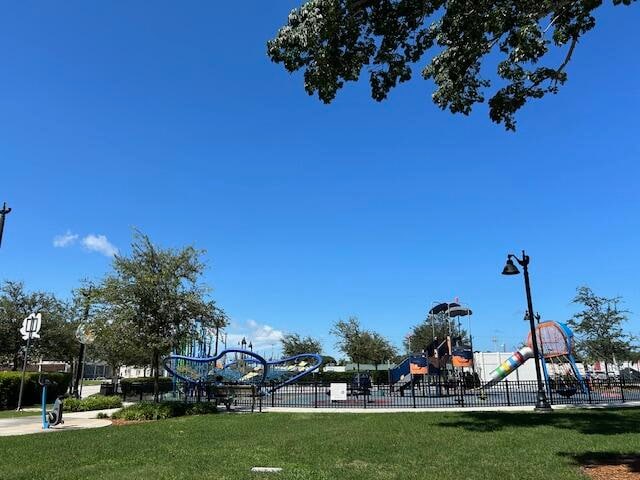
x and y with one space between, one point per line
612 467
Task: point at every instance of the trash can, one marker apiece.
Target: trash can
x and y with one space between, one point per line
106 389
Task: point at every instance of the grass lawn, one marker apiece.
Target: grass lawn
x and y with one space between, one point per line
94 382
442 446
15 414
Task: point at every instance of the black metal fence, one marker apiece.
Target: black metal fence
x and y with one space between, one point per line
433 393
452 393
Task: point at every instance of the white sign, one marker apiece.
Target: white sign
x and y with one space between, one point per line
31 326
338 391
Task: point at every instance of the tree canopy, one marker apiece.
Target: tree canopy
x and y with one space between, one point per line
333 41
57 334
599 328
157 295
294 344
362 346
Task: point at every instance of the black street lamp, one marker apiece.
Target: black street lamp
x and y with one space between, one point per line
243 343
542 404
250 347
3 213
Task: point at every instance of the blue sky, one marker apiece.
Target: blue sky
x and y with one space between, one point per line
170 118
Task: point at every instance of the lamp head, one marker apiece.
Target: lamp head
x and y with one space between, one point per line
510 268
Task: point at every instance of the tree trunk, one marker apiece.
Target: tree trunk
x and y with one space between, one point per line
14 367
156 381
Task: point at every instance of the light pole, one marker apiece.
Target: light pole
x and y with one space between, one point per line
3 213
542 404
84 339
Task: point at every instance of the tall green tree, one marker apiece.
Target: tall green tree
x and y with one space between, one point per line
115 344
599 328
360 345
158 293
349 339
57 340
529 43
294 344
379 349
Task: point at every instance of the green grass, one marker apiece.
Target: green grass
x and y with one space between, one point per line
94 382
15 414
443 446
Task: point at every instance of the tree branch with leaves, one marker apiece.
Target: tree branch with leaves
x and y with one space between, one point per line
334 41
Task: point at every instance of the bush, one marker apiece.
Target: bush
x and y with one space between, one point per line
159 411
94 402
10 388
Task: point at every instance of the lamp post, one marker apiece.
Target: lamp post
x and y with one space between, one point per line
84 339
250 347
542 404
3 213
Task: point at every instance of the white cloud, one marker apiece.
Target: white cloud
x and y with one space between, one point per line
65 240
263 337
100 244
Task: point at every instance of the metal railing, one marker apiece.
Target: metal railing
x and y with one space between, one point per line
430 393
453 393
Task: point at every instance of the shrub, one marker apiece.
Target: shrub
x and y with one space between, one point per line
10 388
94 402
102 415
159 411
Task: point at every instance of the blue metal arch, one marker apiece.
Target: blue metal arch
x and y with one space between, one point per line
204 360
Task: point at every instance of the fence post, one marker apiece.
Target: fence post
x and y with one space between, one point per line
506 386
461 387
272 396
413 392
620 381
315 395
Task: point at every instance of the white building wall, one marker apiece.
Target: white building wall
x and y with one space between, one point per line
487 362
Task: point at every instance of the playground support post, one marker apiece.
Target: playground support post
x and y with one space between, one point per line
542 404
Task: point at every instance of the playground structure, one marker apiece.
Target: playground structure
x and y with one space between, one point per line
557 359
440 359
241 367
441 374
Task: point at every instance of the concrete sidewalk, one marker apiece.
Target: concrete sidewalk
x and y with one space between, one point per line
72 421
